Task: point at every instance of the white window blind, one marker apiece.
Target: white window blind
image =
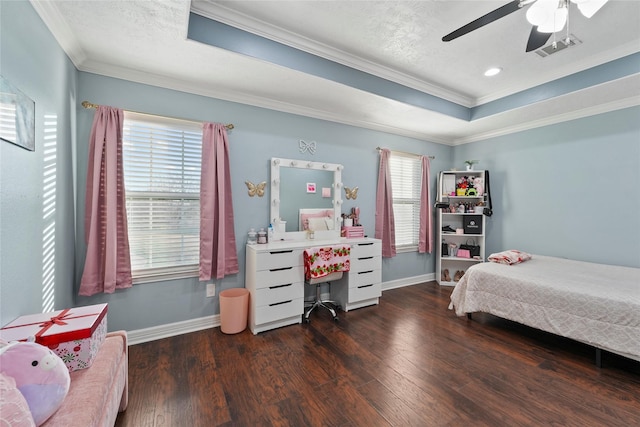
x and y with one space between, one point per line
406 174
162 159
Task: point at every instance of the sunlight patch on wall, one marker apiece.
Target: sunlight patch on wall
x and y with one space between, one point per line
48 212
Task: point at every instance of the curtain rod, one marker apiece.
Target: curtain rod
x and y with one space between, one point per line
87 104
406 152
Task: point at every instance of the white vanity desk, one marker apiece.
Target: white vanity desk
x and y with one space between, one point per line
275 280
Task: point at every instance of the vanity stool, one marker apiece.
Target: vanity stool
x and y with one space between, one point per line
323 265
319 302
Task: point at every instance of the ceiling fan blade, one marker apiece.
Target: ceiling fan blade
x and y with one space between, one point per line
536 39
500 12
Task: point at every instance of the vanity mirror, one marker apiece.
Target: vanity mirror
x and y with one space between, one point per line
305 194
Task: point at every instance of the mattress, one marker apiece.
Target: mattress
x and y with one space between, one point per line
596 304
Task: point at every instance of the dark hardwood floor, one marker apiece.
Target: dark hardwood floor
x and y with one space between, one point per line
407 362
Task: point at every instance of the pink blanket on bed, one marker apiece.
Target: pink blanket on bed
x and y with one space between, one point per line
324 260
510 257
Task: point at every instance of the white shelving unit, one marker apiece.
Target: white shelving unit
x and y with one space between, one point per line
447 185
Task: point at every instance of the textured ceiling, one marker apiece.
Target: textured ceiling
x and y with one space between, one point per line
146 41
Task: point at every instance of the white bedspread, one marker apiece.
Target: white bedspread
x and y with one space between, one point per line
593 303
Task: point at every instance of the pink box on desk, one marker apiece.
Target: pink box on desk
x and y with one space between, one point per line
353 231
74 334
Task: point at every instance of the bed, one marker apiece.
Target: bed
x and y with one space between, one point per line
595 304
316 219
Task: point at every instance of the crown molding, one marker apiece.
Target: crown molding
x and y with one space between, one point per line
632 101
57 25
248 99
241 21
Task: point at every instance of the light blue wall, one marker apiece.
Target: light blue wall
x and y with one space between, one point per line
259 134
34 63
567 190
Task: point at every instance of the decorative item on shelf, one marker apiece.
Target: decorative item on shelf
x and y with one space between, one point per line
478 185
256 189
472 246
355 213
352 232
351 193
472 224
252 237
470 164
463 253
262 236
453 249
307 146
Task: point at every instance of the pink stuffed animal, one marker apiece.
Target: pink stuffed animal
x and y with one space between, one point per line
40 375
478 185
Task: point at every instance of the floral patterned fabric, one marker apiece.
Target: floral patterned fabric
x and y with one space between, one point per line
324 260
509 257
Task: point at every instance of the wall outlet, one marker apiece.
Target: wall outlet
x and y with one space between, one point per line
211 289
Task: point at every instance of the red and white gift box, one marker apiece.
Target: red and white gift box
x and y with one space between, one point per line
74 334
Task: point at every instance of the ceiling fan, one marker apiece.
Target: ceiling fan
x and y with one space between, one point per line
546 17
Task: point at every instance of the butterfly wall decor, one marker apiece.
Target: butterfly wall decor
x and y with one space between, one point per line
352 193
256 189
307 146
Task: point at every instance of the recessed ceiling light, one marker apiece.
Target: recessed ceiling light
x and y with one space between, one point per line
492 71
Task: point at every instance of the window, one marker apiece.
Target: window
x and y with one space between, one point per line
162 159
406 174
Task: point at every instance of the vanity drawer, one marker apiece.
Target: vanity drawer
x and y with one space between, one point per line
278 258
365 263
364 292
279 293
279 310
359 250
279 276
364 278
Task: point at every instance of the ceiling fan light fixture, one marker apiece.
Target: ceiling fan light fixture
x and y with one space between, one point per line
556 23
589 7
541 11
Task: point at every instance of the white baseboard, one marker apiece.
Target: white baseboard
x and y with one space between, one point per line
140 336
408 281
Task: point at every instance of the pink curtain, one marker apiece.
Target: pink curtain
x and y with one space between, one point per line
385 223
218 255
107 266
425 238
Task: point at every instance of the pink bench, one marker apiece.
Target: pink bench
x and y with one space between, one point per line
99 392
